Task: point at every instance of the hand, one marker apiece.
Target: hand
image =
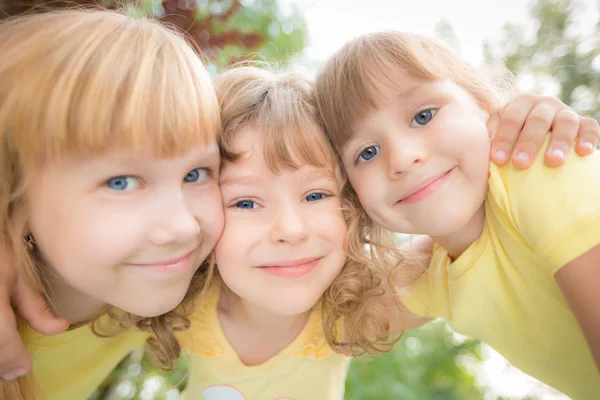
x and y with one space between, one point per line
520 130
32 307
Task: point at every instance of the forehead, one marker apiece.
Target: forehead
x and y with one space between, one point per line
252 161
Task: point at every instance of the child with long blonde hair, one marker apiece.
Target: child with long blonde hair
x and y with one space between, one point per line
108 191
516 254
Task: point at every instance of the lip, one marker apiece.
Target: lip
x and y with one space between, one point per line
291 269
425 189
169 266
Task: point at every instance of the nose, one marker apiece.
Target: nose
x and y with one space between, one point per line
289 226
174 222
405 155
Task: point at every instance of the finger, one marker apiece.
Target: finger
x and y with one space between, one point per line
14 359
563 135
510 123
33 308
588 135
533 135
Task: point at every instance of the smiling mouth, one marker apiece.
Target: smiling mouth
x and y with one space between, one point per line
425 189
291 269
168 266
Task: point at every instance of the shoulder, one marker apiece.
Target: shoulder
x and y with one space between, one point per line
203 337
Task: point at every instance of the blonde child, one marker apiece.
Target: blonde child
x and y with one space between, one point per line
516 257
282 247
108 190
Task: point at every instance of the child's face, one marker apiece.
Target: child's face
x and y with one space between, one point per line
283 242
128 230
419 163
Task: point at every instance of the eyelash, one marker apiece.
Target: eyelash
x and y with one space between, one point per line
128 178
248 200
433 112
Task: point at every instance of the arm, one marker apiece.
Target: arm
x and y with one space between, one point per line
520 130
14 359
578 281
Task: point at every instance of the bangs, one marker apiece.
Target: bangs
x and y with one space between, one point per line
282 110
141 89
288 145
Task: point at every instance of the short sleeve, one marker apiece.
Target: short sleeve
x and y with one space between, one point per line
555 211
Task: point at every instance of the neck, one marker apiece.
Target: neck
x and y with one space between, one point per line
258 319
458 241
69 303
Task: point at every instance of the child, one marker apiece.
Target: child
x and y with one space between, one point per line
282 247
516 256
108 192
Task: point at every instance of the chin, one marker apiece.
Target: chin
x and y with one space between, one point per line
295 308
153 308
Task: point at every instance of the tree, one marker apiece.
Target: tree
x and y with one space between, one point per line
224 30
552 53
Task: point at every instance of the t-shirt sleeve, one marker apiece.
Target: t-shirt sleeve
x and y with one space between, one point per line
556 211
428 295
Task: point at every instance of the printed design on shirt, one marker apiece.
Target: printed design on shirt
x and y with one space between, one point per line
227 392
222 392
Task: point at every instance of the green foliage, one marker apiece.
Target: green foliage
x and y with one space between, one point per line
427 363
552 50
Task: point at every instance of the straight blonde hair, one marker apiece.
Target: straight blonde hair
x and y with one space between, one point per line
84 81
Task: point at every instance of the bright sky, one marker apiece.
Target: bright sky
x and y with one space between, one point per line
333 22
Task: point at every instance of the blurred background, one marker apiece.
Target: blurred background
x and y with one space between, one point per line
551 46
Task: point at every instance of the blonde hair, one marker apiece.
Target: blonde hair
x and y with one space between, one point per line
81 81
283 107
347 91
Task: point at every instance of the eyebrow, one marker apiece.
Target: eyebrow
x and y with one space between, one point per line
245 180
253 180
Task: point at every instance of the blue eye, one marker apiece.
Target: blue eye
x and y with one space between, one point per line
196 175
423 117
245 204
368 153
315 197
123 183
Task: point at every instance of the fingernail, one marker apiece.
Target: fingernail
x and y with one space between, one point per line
17 373
501 156
557 153
523 157
588 145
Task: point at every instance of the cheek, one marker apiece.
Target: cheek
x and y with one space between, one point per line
207 207
331 226
238 233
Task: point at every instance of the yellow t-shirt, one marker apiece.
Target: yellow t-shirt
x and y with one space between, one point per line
502 289
307 369
71 365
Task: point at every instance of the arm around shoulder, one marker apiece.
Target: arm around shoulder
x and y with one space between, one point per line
579 281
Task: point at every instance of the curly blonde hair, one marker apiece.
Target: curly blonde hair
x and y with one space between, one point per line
283 107
76 81
347 91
